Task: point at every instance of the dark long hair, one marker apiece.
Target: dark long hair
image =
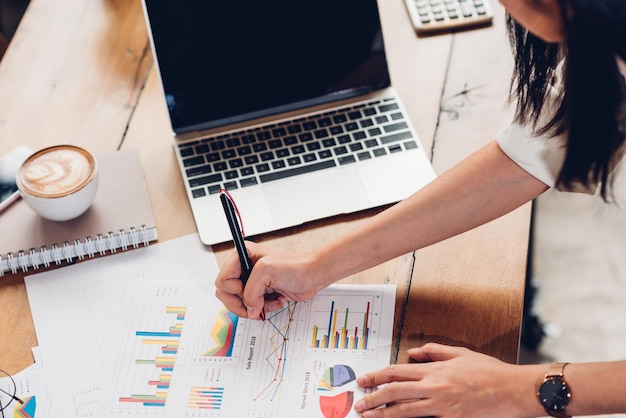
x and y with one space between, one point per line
592 108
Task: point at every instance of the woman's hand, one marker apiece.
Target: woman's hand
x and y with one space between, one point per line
451 382
276 277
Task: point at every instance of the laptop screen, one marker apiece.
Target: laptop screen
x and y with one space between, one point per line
227 61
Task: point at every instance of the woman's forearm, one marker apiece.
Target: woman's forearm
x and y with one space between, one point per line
485 186
597 388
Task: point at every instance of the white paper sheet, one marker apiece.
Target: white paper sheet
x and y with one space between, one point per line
184 355
76 315
142 334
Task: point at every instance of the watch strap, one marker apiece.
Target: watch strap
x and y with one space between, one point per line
560 414
555 370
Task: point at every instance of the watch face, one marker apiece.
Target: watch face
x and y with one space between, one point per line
554 394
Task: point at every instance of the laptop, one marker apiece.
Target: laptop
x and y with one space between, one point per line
288 105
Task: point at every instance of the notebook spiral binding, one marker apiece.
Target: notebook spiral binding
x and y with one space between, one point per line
78 250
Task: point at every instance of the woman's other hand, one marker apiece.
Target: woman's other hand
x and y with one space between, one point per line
451 382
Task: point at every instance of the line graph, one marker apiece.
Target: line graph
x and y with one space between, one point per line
277 345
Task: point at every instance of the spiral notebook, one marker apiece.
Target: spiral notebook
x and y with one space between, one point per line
119 219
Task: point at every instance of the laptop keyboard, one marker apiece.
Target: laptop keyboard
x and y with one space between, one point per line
321 141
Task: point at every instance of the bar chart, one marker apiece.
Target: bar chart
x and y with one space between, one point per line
155 349
206 398
343 323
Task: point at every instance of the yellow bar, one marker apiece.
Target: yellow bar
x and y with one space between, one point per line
333 332
171 343
314 340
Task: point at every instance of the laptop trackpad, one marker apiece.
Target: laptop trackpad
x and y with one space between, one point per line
315 196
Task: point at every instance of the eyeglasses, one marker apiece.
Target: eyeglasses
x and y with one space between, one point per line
8 391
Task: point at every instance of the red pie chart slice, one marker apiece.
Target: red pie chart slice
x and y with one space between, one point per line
338 406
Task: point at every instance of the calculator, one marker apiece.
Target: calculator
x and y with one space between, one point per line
430 16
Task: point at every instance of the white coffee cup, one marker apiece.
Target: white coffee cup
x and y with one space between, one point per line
59 182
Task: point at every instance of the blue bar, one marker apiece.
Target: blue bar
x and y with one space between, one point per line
330 322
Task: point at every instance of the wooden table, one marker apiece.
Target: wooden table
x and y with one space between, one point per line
82 73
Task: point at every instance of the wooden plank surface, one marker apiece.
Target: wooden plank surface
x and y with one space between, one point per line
72 74
82 73
470 294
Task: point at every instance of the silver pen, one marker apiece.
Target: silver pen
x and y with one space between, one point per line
8 202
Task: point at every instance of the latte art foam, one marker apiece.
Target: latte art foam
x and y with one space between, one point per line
56 172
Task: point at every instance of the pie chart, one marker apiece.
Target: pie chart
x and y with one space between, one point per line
339 405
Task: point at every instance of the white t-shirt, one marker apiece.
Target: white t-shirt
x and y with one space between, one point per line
540 155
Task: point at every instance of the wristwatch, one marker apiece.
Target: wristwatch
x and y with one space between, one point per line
554 393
